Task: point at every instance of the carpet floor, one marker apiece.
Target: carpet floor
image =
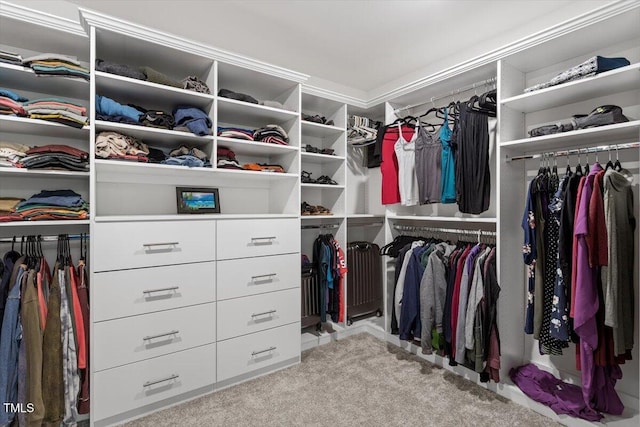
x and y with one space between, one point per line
357 381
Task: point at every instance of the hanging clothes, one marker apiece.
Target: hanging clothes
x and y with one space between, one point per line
407 180
389 163
428 159
448 179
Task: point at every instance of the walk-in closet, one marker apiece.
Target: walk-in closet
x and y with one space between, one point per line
309 213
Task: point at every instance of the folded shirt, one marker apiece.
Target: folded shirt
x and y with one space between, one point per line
195 119
236 133
195 84
228 164
117 119
58 161
184 150
186 160
157 119
62 198
52 57
55 104
590 67
64 113
59 118
226 93
120 69
59 148
108 107
13 106
600 116
114 144
225 152
160 78
12 95
270 130
8 204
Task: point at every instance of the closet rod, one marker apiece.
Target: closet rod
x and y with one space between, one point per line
597 149
443 230
308 227
453 92
43 238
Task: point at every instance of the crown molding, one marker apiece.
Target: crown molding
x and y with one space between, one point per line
32 16
90 18
334 96
573 24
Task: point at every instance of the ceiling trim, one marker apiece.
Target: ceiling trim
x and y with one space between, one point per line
90 18
32 16
573 24
334 96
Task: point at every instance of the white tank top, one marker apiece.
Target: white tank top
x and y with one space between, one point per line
407 180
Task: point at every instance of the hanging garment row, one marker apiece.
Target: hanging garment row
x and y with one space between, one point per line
44 332
579 250
330 267
445 296
444 162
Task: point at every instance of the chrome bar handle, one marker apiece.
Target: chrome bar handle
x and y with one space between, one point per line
261 276
255 353
161 244
151 337
264 313
169 378
269 238
151 291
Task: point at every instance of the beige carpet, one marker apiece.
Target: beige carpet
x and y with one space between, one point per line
357 381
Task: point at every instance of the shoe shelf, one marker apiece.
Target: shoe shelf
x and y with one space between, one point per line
611 82
21 78
153 136
124 89
619 132
319 130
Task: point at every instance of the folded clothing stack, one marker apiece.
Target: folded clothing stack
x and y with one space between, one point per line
226 93
55 64
236 133
187 156
53 205
317 119
56 156
600 116
263 167
10 57
8 208
227 159
113 145
273 134
194 119
112 111
192 83
11 103
590 67
57 110
12 153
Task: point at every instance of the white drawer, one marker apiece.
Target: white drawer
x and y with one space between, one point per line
244 354
243 277
132 386
244 238
137 338
121 245
145 290
241 316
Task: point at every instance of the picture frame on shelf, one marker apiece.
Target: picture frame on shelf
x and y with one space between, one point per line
197 200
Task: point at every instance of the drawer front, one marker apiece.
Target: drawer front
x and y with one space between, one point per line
241 316
244 354
137 338
145 290
250 238
242 277
132 386
148 244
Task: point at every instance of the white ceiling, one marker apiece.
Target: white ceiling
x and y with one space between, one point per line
353 46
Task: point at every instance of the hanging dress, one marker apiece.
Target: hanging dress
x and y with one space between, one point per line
448 175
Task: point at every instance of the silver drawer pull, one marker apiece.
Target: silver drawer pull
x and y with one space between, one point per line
264 313
263 276
169 378
151 291
160 244
255 353
263 240
151 337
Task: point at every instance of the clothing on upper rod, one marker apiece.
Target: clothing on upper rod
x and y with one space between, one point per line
578 247
596 150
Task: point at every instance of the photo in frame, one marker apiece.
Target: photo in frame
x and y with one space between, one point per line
197 200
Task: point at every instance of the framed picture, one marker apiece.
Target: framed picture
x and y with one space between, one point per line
193 200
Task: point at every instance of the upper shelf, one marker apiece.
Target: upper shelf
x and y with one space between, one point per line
153 136
36 127
153 95
240 113
620 132
320 158
21 78
21 172
319 130
614 81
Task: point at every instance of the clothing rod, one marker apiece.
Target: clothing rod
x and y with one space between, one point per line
443 230
42 238
308 227
597 149
453 92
